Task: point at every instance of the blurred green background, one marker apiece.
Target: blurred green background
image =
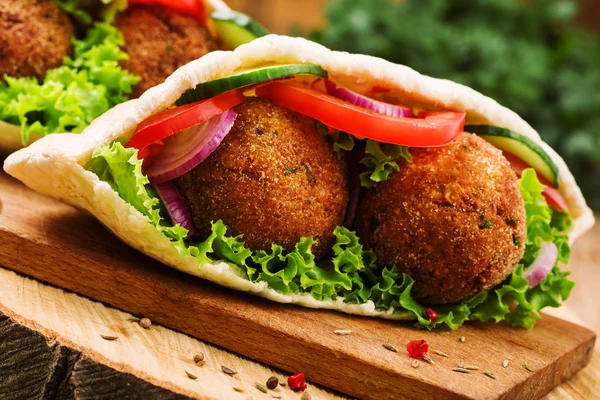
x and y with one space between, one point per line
531 56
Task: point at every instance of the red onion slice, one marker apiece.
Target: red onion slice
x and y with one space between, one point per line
542 265
380 107
186 149
176 207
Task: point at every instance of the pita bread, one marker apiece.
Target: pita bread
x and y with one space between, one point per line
54 164
10 135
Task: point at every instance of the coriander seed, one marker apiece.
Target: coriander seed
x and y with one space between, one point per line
145 323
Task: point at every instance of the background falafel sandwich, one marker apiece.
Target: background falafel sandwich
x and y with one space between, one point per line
329 180
65 62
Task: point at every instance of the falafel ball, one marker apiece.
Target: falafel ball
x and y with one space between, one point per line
159 40
453 219
274 179
35 36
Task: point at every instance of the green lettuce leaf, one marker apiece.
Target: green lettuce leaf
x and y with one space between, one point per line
73 95
351 272
544 224
81 10
381 161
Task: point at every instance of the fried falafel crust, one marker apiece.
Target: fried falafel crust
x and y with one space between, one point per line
35 36
274 179
158 41
453 219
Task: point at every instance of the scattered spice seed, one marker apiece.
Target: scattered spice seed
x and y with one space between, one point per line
428 360
462 339
305 396
238 389
190 375
276 396
133 319
490 374
527 367
228 371
460 364
505 363
261 387
463 370
272 382
415 364
342 332
145 323
390 347
441 353
281 382
198 357
108 337
471 367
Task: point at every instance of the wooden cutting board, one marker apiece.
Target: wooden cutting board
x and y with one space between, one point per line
56 243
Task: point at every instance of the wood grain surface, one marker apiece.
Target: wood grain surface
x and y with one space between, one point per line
53 330
56 243
50 339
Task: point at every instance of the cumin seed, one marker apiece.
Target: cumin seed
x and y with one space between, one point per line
460 364
276 396
390 347
281 382
261 387
527 367
428 360
441 353
461 370
471 367
133 319
505 363
342 332
462 339
238 389
228 371
490 374
190 375
108 337
415 364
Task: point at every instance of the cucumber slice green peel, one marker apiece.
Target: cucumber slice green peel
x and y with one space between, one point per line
520 146
247 77
236 28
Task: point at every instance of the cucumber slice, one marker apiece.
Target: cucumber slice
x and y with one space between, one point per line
236 28
519 145
247 77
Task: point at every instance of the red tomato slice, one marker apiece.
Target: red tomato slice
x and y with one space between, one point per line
432 128
194 8
552 195
150 135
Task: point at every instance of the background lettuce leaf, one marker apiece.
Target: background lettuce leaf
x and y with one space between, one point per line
73 95
381 161
350 272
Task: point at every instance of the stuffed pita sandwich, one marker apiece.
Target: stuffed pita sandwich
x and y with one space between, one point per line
65 62
328 180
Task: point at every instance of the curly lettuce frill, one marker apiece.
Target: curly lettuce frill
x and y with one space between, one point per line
350 272
74 94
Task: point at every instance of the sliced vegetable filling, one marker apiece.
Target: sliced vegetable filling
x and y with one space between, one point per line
172 143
